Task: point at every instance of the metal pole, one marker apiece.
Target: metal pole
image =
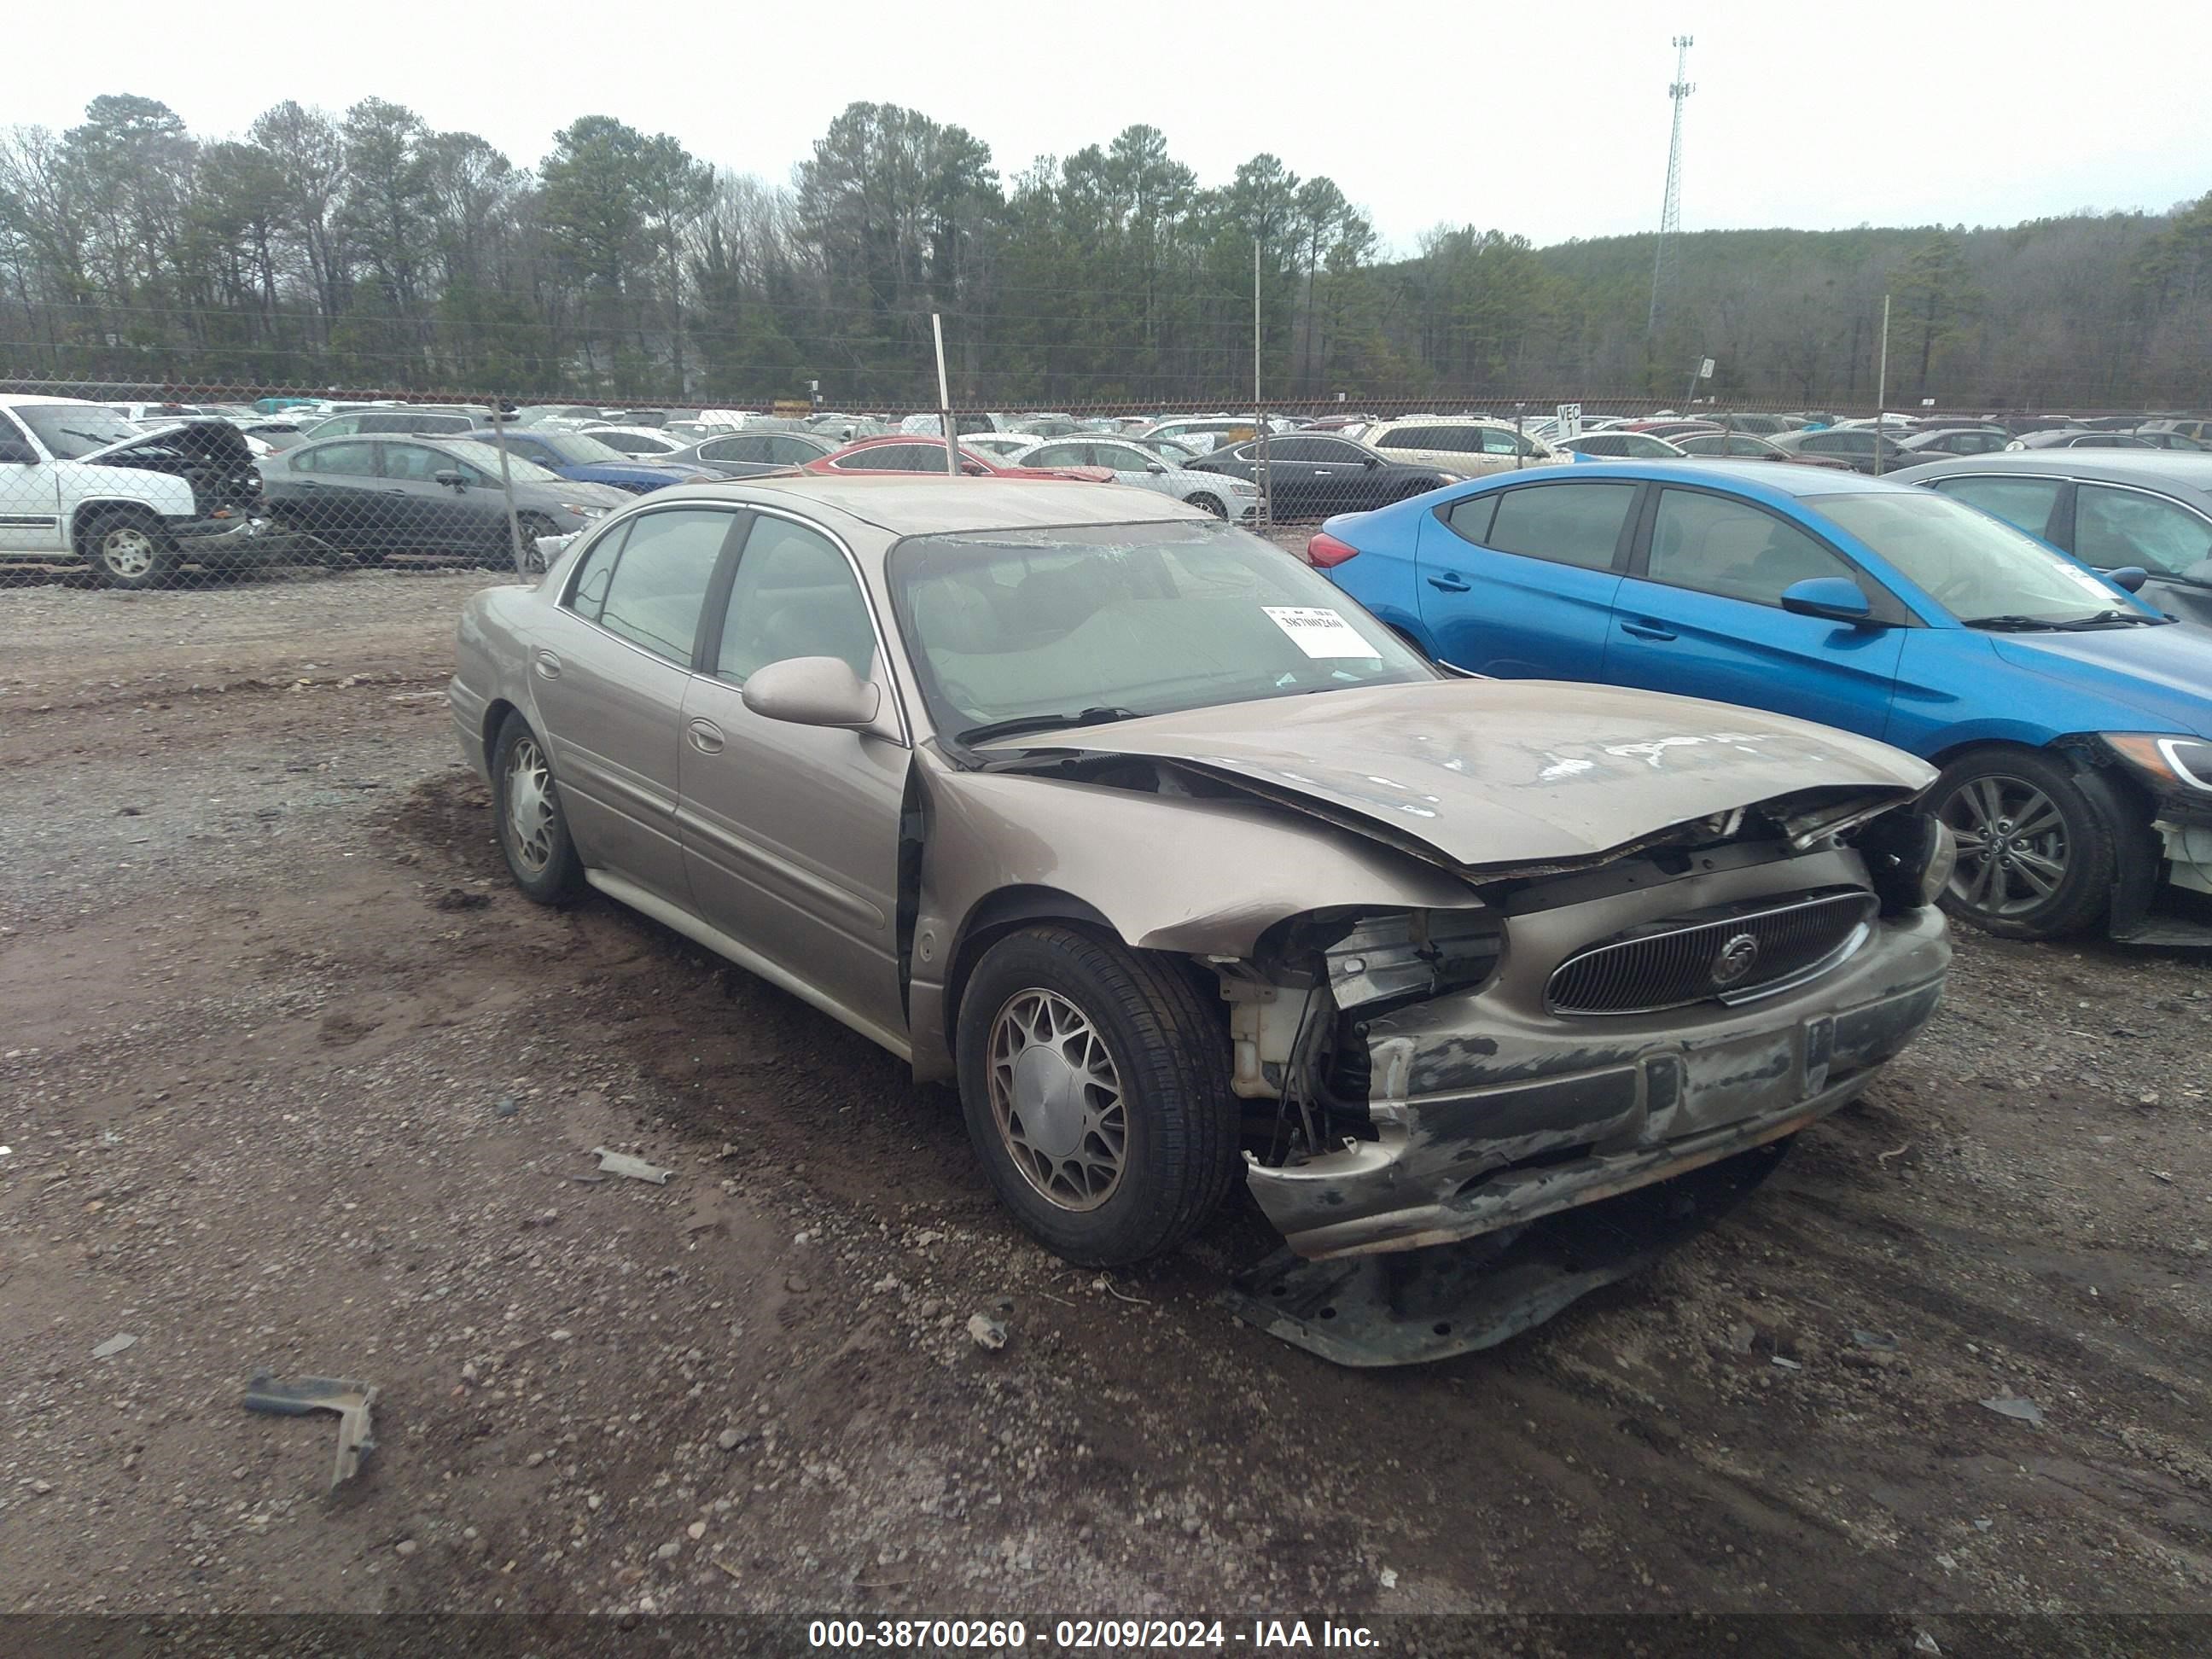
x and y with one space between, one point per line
1260 476
1881 386
507 488
945 401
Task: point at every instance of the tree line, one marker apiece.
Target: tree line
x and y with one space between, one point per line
368 250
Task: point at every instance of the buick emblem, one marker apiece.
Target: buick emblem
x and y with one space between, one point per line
1734 959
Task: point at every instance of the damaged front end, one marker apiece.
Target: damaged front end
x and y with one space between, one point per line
213 457
1433 1077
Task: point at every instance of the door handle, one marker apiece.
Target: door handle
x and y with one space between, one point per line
706 737
548 666
1646 629
1450 583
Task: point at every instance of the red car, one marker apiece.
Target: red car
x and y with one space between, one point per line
902 454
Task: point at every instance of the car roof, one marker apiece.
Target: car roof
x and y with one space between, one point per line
24 399
2171 467
1754 478
921 504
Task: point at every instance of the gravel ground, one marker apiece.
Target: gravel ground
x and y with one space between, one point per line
292 1080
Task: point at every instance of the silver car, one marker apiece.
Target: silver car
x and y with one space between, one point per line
1216 493
1186 871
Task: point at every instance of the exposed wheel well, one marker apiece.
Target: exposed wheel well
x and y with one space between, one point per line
1013 907
495 717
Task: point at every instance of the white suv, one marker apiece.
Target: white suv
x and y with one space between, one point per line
76 479
1468 445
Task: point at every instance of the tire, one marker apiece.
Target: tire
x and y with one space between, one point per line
540 854
131 549
533 525
2039 845
1207 503
1055 990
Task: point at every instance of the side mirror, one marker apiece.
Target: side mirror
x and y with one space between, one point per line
2129 578
1154 466
450 480
812 691
1371 463
1838 599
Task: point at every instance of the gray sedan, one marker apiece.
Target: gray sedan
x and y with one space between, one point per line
2113 509
1131 463
1186 871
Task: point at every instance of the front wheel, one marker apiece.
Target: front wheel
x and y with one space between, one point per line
132 550
533 830
1207 504
2038 852
1096 1091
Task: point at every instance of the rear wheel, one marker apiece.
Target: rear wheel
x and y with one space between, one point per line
533 830
2038 850
129 548
1095 1090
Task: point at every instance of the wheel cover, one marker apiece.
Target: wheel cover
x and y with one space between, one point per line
2013 845
127 550
1056 1098
1207 504
530 806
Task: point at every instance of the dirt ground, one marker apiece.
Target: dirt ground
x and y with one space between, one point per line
291 1079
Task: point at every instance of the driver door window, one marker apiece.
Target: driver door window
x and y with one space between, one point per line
795 596
1724 547
2113 528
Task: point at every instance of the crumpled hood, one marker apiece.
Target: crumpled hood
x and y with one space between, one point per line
2166 670
216 441
1507 773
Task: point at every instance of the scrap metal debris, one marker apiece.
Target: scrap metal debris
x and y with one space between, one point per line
987 1332
2021 1411
636 1168
115 1345
351 1401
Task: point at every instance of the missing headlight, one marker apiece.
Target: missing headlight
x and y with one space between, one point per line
1909 858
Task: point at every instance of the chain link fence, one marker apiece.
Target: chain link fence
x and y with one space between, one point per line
140 487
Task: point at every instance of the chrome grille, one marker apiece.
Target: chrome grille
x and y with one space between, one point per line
1728 955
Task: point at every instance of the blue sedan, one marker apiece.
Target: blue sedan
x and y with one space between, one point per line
2072 723
584 459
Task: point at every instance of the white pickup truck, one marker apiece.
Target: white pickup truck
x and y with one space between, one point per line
78 480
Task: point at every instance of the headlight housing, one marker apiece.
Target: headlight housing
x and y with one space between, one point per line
1238 487
2169 763
1909 857
584 511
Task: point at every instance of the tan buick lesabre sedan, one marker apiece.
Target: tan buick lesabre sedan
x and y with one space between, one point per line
1183 866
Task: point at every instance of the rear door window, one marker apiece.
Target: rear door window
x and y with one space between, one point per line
2024 502
1577 524
659 589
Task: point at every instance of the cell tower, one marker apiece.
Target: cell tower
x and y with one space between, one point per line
1670 215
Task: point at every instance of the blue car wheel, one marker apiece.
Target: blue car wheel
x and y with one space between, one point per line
2037 850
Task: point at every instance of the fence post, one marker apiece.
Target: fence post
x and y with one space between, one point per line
499 406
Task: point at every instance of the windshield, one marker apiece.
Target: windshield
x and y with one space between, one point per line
69 430
1140 619
484 456
1974 566
575 449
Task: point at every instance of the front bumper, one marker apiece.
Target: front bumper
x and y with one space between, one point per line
1488 1116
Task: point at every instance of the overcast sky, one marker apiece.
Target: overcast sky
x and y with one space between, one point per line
1549 119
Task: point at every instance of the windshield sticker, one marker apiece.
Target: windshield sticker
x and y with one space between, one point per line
1319 631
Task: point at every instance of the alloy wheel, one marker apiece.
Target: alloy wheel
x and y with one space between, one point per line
2012 841
1056 1098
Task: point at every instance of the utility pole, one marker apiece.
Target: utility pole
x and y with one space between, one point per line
1670 211
1259 473
1881 386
